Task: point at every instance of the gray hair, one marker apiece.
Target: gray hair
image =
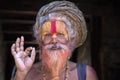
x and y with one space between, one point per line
77 31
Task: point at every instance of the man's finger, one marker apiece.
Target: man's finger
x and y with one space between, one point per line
22 43
33 54
17 44
27 51
13 49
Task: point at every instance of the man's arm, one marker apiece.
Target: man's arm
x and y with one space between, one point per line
20 75
90 73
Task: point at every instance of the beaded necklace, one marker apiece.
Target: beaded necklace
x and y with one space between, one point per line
57 77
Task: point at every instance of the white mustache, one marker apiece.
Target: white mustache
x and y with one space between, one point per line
56 46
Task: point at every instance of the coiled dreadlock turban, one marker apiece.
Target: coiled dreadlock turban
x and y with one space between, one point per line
68 13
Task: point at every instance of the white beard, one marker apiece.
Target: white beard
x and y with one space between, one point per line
55 60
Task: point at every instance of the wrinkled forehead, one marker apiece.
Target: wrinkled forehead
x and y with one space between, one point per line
54 16
55 23
54 26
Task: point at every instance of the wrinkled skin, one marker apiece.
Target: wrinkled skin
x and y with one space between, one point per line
22 60
56 50
56 46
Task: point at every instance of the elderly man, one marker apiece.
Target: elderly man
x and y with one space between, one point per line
59 29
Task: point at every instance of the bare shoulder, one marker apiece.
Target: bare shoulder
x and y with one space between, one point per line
90 73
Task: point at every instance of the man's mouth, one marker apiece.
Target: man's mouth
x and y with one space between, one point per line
55 48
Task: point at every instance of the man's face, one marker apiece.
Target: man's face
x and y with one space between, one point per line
56 45
54 31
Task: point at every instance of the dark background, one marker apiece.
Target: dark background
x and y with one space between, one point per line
102 16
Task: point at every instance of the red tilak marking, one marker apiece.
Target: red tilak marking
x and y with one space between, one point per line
53 26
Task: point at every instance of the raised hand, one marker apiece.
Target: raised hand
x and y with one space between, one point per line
22 60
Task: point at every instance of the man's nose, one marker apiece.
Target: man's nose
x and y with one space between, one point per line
54 38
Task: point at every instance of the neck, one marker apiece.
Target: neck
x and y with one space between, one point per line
54 61
54 70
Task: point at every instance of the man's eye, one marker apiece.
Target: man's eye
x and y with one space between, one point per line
48 35
60 34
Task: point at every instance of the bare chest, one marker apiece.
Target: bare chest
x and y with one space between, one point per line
35 75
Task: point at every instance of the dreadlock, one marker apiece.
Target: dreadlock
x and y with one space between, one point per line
73 14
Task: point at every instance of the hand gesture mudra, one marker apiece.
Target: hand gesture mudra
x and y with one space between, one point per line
22 60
